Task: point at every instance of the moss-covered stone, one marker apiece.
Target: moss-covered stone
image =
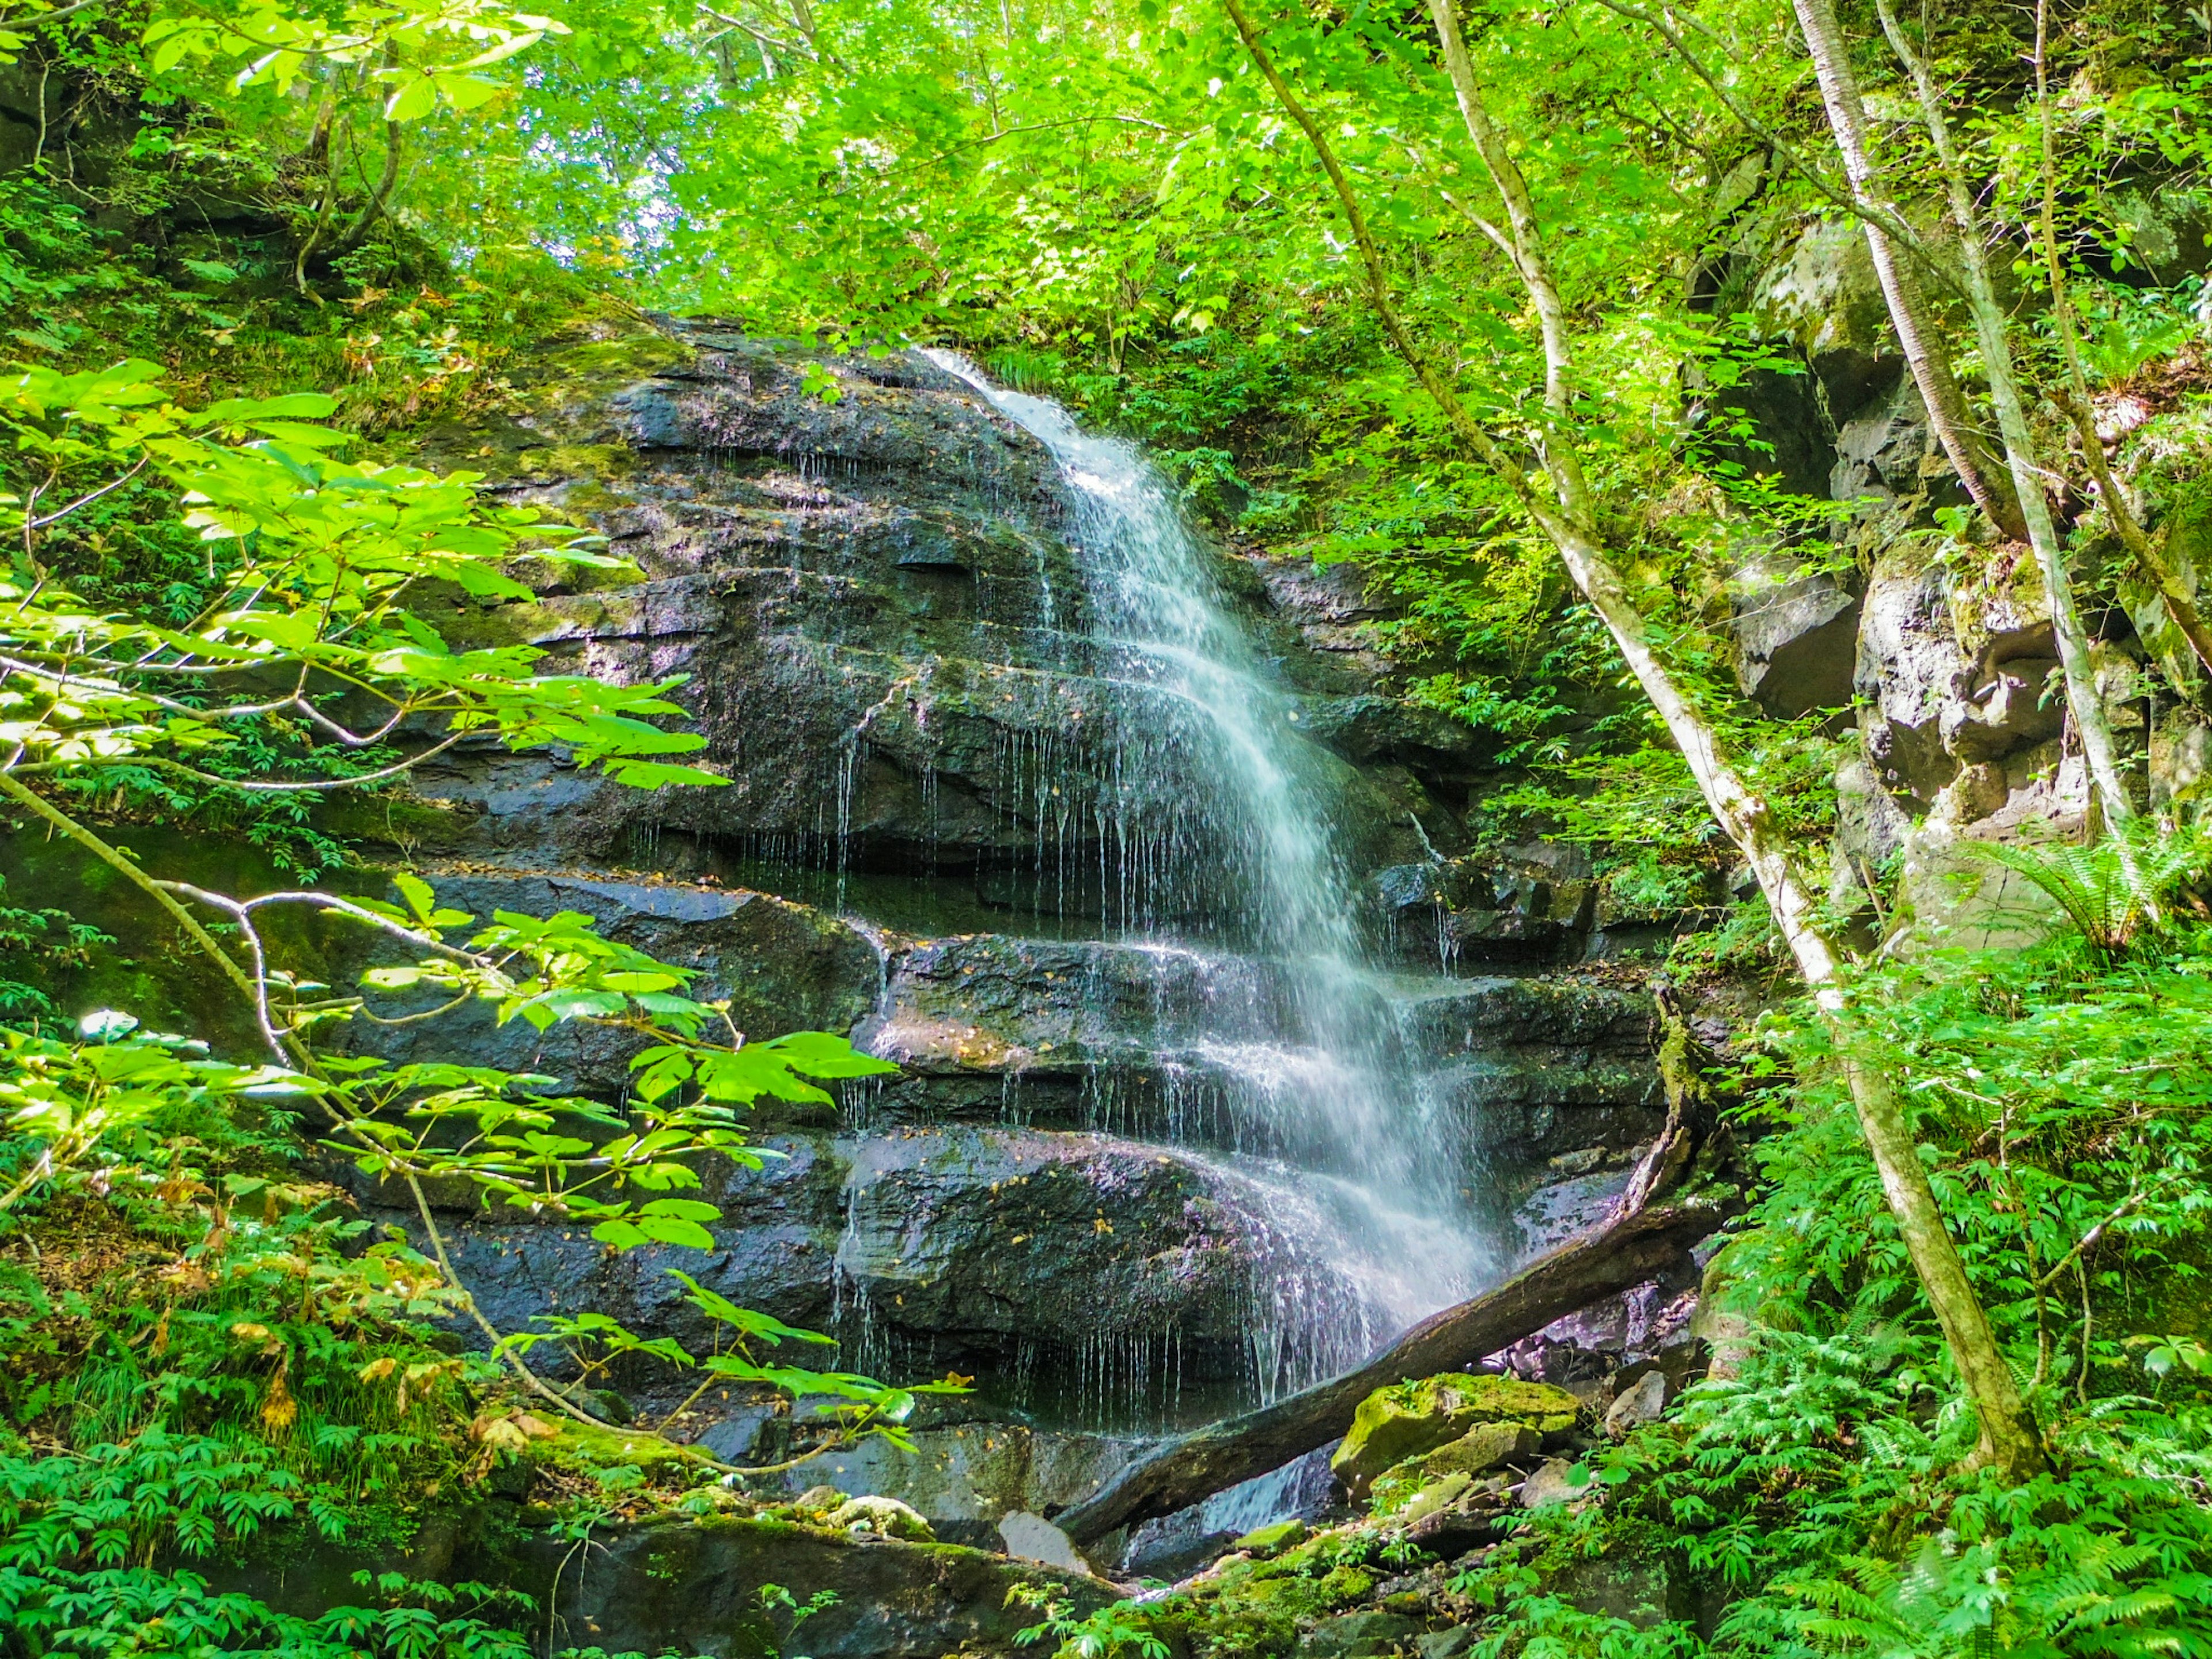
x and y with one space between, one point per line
1274 1540
1410 1418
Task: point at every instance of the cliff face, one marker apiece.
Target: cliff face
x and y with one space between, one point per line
1942 643
956 830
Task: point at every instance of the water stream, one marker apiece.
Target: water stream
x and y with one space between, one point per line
1358 1175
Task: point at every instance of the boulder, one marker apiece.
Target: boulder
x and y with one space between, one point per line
1910 661
893 1599
1032 1538
884 1517
1483 1447
1550 1485
693 1586
1884 449
1396 1423
2166 226
1958 898
1641 1403
1796 634
967 1472
1274 1539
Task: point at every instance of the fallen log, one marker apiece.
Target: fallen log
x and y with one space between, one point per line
1604 1262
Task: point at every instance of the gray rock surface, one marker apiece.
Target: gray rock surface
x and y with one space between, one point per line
1796 634
1641 1402
1548 1484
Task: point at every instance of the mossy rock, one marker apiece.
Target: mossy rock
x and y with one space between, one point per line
1410 1419
1274 1540
588 1446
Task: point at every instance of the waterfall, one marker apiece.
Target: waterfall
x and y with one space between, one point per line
1360 1178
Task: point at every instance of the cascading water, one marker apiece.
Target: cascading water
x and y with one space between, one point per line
1357 1180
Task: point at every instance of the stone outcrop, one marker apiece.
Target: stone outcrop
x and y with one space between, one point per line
1412 1419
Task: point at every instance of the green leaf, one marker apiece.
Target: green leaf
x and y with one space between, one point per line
688 1209
414 100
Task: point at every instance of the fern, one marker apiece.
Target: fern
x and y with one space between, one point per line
2116 888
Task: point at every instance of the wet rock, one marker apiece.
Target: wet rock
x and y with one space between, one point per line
958 1239
782 966
1451 1643
1168 1549
890 644
1168 1041
974 1236
1403 1421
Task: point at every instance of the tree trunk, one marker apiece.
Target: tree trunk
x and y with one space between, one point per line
1908 307
1193 1466
2009 1438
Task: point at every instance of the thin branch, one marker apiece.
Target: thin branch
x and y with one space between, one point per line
359 232
39 19
60 513
254 786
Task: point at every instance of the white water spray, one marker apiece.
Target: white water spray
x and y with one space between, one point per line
1361 1192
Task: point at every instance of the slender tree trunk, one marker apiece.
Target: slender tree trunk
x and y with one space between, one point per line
1991 333
1566 516
1908 306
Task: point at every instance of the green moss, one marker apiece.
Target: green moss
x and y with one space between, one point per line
579 461
587 1446
1410 1418
1274 1539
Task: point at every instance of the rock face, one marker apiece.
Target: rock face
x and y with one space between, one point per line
886 633
1947 655
951 833
694 1588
